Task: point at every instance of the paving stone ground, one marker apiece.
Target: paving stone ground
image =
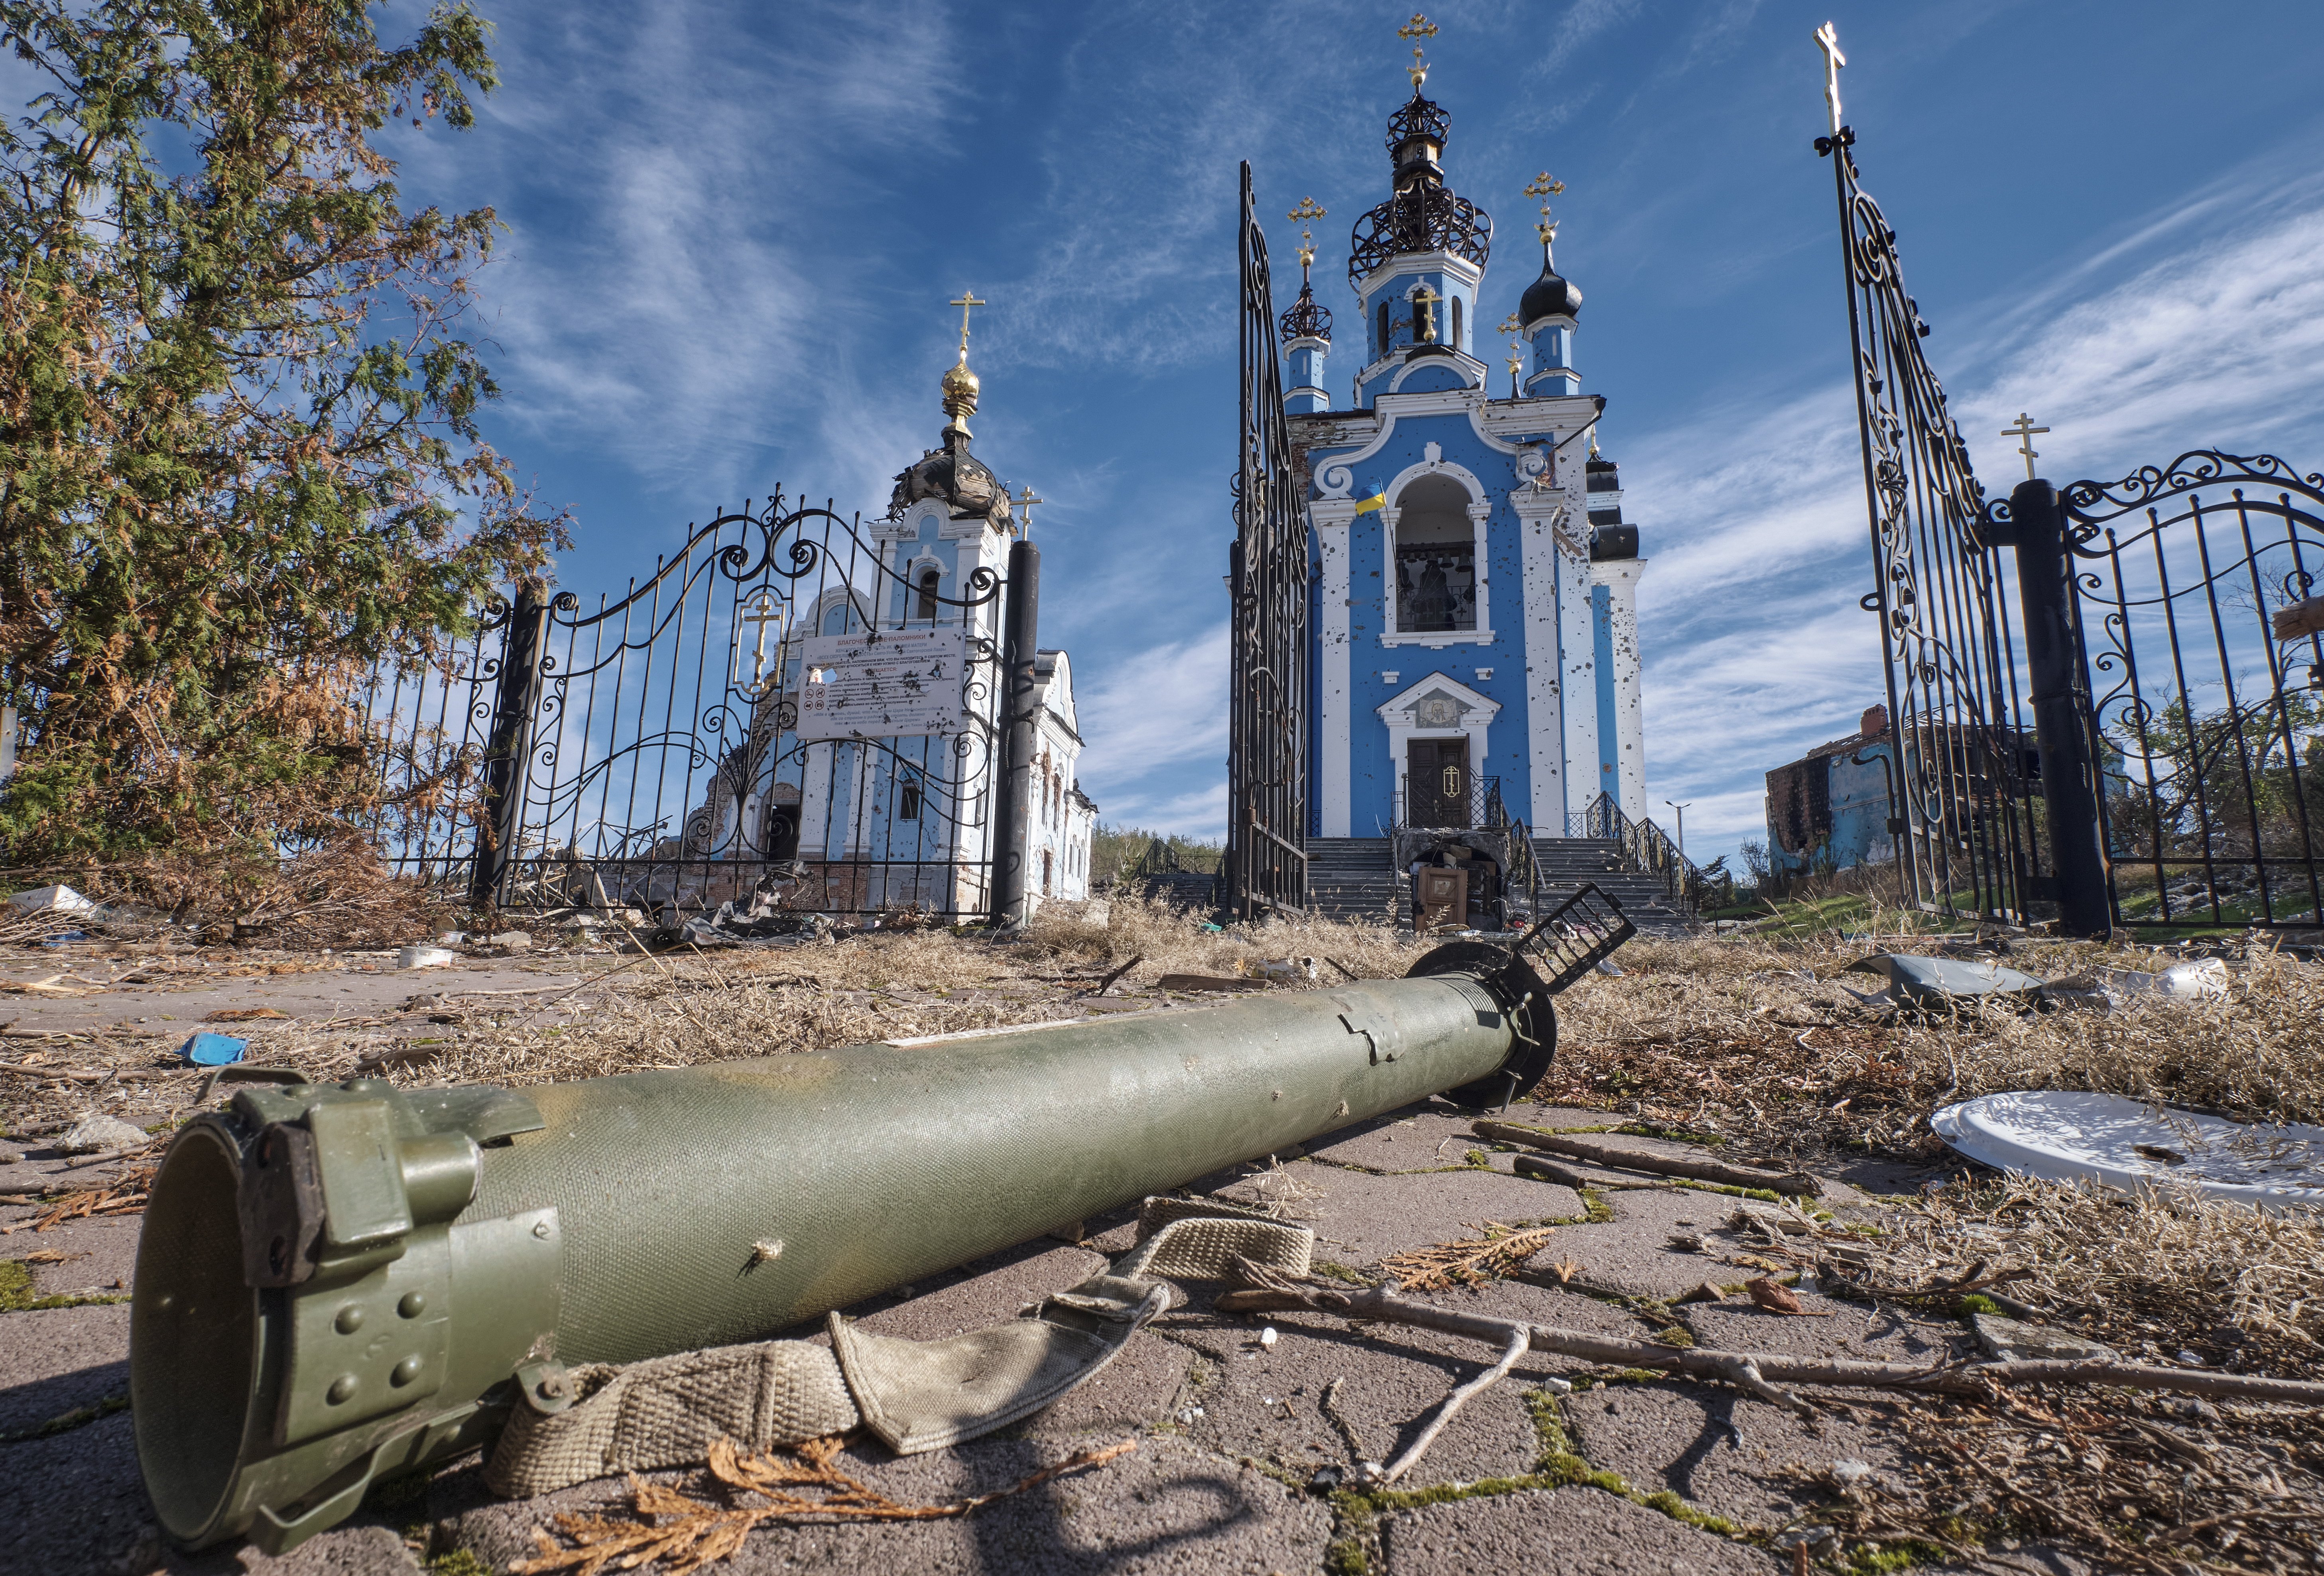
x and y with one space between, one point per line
1230 1431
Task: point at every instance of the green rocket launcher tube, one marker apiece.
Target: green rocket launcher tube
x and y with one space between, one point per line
340 1281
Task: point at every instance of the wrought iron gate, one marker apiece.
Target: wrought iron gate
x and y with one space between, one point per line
1266 702
691 741
2195 587
1969 840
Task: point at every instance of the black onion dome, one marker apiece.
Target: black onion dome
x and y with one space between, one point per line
956 476
1423 215
1306 319
1550 296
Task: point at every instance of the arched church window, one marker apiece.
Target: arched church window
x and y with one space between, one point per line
1383 328
1455 340
1046 872
908 796
929 580
1435 557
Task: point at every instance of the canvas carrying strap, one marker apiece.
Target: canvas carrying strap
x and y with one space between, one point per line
914 1394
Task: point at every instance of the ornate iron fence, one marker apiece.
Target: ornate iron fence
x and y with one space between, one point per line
1266 865
1970 844
1476 802
2195 590
776 717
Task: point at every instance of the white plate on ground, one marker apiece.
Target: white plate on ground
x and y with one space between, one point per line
2129 1144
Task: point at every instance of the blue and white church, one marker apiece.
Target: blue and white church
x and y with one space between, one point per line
1474 628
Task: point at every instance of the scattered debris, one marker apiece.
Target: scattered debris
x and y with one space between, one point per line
2128 1143
801 1485
1189 982
1625 1157
213 1050
2016 1341
1470 1263
50 899
1921 981
1777 1298
101 1134
243 1015
424 957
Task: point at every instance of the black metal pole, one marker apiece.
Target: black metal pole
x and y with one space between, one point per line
1012 797
500 821
2061 710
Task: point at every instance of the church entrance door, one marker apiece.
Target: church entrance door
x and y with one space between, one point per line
1437 782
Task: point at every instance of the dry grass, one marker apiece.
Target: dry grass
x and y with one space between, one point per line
1758 1042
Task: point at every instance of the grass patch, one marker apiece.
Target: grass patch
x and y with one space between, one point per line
17 1296
66 1421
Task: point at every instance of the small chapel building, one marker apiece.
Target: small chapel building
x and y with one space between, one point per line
1473 634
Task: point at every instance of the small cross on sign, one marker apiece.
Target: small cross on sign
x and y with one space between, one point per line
2024 433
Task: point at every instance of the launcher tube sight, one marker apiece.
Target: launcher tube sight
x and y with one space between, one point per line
340 1281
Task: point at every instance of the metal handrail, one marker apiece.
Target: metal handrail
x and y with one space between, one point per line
1645 847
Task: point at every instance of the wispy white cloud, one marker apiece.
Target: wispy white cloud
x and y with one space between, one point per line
1147 716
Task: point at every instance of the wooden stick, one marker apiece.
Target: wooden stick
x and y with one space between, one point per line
1791 1182
1107 983
1519 1340
1274 1294
1549 1170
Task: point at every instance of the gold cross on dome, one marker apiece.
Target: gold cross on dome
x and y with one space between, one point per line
2023 432
1308 209
1544 186
965 299
1827 39
1419 27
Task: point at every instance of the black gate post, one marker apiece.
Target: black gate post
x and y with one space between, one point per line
500 818
2061 714
1012 798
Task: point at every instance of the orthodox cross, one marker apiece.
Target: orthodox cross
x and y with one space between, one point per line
1545 188
1025 502
1424 321
1828 39
965 299
2024 433
1515 362
1308 209
765 610
1417 28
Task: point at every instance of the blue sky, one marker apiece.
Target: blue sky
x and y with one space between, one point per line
733 231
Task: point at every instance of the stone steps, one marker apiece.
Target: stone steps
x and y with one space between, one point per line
1349 879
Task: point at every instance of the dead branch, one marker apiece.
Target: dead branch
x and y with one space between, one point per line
1107 983
1548 1170
1274 1292
1627 1158
1519 1339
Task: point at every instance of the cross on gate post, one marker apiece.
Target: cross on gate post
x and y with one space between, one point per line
2024 433
764 610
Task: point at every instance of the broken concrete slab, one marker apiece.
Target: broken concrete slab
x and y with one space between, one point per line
1560 1532
1429 1137
1265 1403
2011 1340
1360 1218
59 1360
1727 1452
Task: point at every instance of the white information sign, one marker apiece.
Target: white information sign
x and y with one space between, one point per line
905 682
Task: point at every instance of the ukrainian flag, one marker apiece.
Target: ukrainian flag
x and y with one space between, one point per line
1379 499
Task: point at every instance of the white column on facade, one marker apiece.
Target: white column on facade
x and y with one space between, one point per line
1539 509
1620 578
1334 662
1578 661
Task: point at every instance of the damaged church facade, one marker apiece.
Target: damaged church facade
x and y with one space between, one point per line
1473 631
